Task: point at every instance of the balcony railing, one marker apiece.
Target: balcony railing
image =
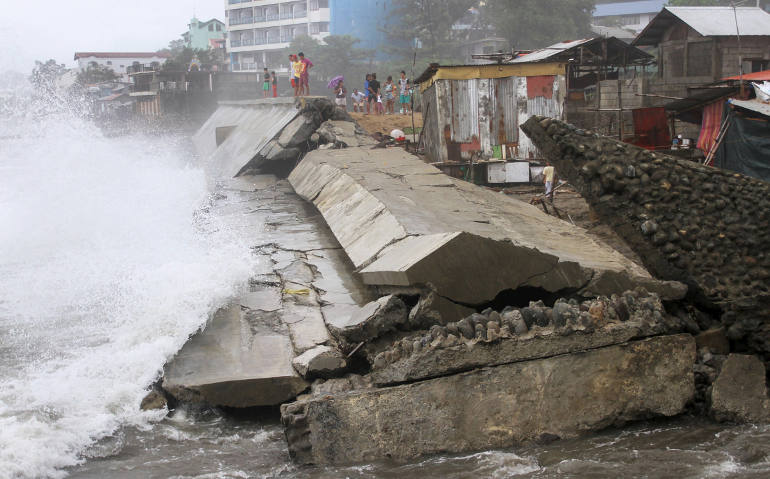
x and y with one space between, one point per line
235 43
241 21
272 17
286 16
302 14
259 19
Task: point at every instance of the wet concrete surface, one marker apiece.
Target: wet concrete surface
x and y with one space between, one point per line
243 358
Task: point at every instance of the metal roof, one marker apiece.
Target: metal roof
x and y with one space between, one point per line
618 52
121 55
756 76
629 8
753 105
708 21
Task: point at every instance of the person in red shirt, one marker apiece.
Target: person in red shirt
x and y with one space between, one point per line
305 77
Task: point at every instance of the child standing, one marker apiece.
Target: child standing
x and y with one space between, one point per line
390 98
405 97
274 77
265 83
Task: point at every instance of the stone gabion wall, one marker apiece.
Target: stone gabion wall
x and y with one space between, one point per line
706 227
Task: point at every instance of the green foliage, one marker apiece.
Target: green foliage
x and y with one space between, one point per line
530 24
96 73
45 74
427 23
181 58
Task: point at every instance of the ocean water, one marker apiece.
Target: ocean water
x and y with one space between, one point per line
107 265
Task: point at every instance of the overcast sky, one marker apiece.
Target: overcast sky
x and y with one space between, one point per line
44 29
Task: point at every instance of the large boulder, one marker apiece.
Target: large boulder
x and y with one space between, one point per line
739 394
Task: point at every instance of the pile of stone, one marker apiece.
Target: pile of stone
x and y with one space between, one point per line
702 226
319 124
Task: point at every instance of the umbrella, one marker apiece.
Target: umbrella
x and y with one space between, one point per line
335 81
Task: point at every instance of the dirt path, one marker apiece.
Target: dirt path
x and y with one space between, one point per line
386 123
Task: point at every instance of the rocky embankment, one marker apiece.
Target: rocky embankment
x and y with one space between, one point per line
702 226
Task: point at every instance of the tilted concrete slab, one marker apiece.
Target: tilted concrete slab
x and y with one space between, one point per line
231 364
248 127
498 407
403 222
243 357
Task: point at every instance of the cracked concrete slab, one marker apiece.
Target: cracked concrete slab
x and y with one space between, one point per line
243 357
403 223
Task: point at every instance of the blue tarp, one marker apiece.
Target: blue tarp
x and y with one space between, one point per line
629 8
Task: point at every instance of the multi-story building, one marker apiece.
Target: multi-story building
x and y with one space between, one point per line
258 31
199 34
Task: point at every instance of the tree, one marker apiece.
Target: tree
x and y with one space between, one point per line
44 75
425 25
530 24
181 59
96 73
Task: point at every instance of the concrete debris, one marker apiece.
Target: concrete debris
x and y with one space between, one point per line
496 407
343 134
154 400
516 335
373 320
739 394
298 131
320 362
433 309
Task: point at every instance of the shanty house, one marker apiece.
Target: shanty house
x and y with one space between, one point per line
700 45
474 111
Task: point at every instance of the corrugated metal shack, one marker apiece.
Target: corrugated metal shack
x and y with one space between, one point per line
472 113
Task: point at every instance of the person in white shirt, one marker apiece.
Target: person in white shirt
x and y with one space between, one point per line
358 101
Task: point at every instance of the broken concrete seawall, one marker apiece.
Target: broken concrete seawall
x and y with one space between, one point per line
703 226
406 313
404 223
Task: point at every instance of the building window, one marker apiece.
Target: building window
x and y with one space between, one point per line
314 28
324 27
109 62
211 28
313 5
219 27
630 20
323 3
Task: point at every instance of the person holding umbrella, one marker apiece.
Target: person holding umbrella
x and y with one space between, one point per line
340 95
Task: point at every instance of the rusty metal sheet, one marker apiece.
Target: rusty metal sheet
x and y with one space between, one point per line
465 110
505 118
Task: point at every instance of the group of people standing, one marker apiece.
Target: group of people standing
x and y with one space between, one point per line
300 74
376 97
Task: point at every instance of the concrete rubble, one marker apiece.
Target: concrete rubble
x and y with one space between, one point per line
399 312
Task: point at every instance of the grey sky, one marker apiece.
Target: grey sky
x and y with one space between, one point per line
56 29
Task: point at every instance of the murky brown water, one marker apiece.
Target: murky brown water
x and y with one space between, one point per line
226 447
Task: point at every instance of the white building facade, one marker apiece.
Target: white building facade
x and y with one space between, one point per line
259 30
118 61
